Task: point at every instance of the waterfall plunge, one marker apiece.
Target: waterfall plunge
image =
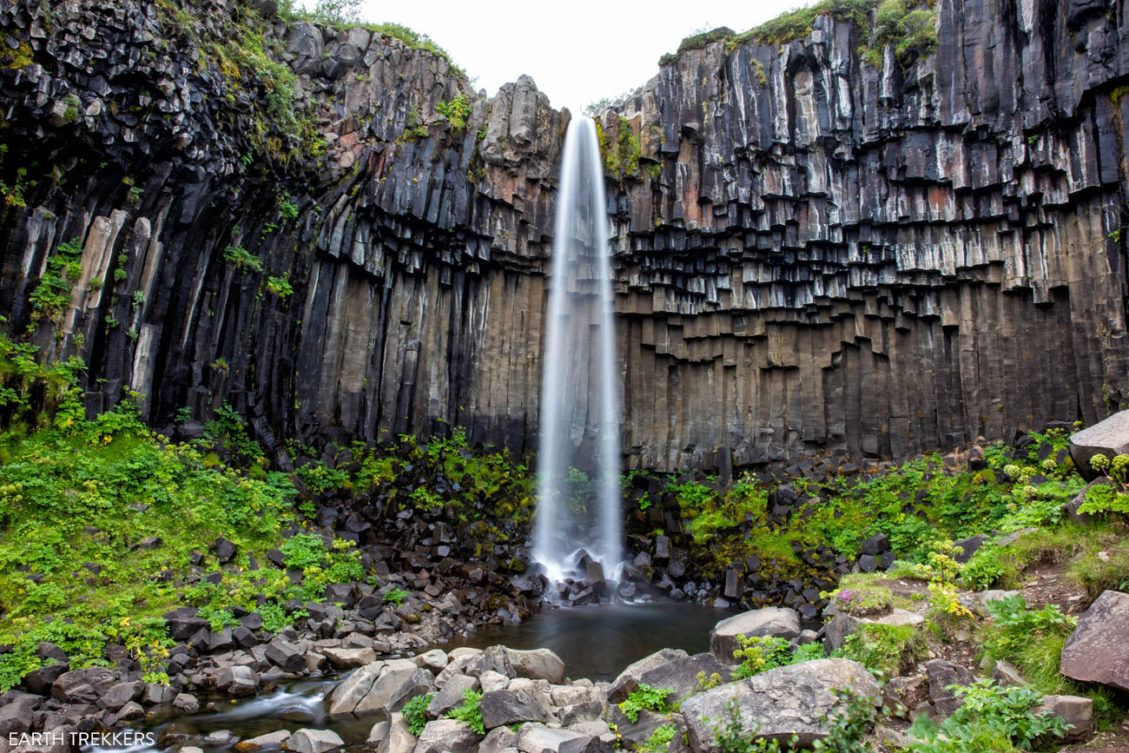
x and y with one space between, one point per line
579 391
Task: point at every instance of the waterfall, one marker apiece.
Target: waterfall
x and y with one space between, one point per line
580 422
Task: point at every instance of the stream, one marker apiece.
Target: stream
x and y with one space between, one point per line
594 642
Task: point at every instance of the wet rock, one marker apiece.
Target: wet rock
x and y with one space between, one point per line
779 703
778 622
314 741
237 681
286 656
1098 649
186 703
269 741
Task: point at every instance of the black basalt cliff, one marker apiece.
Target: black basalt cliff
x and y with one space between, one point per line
812 253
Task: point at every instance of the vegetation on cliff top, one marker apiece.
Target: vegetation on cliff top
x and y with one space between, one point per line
908 25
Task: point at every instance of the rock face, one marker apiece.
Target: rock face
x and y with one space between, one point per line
779 703
813 253
1098 649
1109 437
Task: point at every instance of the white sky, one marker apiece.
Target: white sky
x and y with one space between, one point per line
577 51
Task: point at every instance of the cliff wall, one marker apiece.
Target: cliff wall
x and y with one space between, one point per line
812 253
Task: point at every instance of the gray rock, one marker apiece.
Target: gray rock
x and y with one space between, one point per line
447 736
1109 437
286 656
186 702
537 664
82 685
941 675
779 703
491 680
120 694
674 670
498 740
537 738
348 658
450 695
1006 673
779 622
1076 711
314 741
16 713
238 681
512 705
1098 649
40 680
436 660
396 738
269 741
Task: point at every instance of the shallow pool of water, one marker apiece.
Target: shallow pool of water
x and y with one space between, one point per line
598 642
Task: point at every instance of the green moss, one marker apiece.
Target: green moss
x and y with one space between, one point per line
16 59
52 295
862 594
621 151
886 650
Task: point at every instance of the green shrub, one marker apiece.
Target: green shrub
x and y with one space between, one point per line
886 650
660 739
280 287
646 697
395 596
756 654
415 712
456 111
469 712
243 259
990 718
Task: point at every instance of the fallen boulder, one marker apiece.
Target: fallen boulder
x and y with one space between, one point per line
778 622
1109 437
780 703
1098 649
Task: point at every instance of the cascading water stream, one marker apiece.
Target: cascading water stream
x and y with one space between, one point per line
579 389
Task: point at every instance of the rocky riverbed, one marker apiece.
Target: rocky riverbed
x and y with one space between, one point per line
390 693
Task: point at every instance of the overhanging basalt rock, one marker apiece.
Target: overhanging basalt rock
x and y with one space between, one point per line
813 254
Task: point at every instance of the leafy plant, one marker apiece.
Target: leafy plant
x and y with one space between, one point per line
660 739
885 649
395 596
243 259
456 111
280 286
990 718
469 712
646 697
415 712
